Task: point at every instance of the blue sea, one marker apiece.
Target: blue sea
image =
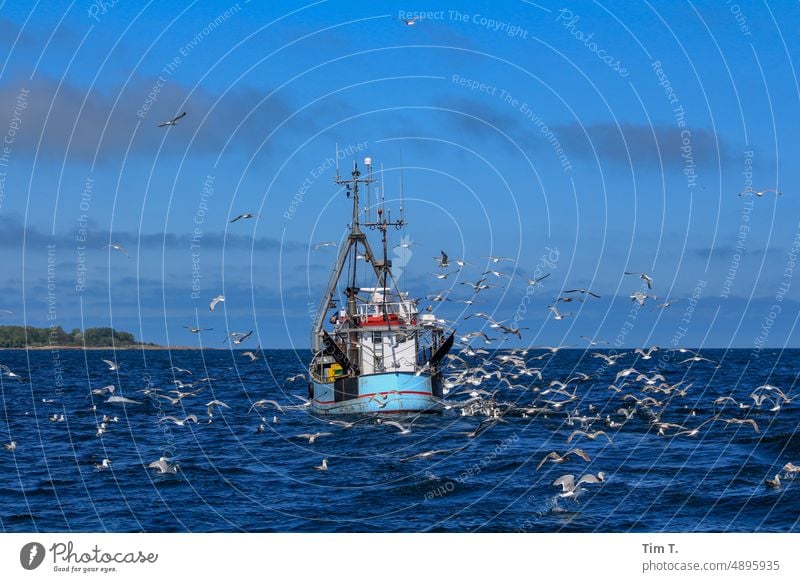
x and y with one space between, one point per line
232 478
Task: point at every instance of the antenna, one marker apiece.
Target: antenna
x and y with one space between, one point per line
402 195
337 160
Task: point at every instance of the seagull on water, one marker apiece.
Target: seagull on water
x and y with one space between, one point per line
312 437
12 446
173 121
774 483
106 464
214 302
162 466
323 466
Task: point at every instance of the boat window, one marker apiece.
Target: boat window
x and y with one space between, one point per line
376 337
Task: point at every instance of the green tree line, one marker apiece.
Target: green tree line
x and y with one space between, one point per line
17 336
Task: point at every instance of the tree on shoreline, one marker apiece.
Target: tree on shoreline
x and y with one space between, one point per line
17 336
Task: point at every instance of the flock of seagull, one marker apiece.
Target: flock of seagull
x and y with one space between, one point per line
496 388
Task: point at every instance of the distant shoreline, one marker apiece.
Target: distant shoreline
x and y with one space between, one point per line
142 347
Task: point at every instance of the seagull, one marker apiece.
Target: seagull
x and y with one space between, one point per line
173 121
239 338
210 406
12 446
119 248
178 421
648 354
445 275
572 488
556 314
111 365
667 303
429 454
180 370
442 260
410 21
496 274
323 466
7 372
106 464
497 259
300 376
462 263
584 291
554 457
214 302
312 437
759 193
644 277
749 421
536 280
590 435
400 427
640 297
242 216
260 403
696 359
791 468
162 466
198 329
774 483
250 355
323 245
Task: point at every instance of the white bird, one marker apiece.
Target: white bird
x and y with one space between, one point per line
12 446
173 121
410 21
640 297
163 466
296 377
589 435
198 329
497 259
215 403
397 425
180 370
119 248
536 280
572 488
774 483
644 277
7 372
112 366
442 260
260 403
323 466
242 217
217 299
556 314
554 457
759 193
312 437
250 355
106 464
178 421
322 245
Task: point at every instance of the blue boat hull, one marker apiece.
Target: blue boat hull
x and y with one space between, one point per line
393 392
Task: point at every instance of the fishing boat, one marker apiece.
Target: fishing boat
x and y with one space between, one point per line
376 353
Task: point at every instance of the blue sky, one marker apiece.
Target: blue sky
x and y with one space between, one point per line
618 137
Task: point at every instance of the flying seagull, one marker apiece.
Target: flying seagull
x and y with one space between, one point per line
644 277
410 21
443 260
112 365
173 121
323 245
198 329
759 193
242 216
119 248
214 302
